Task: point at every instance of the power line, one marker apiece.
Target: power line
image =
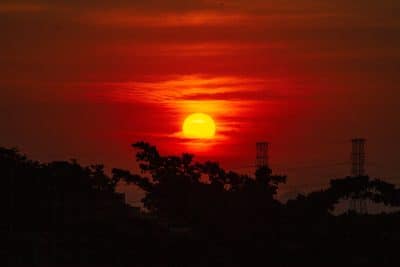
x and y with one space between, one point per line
314 166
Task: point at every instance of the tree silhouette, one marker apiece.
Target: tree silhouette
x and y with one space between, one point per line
362 187
63 213
184 191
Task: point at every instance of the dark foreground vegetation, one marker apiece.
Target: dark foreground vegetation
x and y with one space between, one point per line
65 214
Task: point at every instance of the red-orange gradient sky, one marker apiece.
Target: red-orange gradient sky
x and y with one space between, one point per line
85 79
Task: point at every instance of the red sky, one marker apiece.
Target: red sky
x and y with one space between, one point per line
85 79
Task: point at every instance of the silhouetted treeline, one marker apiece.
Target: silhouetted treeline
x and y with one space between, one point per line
203 195
196 214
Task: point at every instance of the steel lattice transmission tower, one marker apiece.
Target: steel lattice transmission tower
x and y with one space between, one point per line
358 169
262 154
358 157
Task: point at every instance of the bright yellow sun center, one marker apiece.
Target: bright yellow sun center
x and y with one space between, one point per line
199 126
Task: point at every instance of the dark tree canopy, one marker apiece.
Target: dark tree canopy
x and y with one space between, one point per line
65 213
186 191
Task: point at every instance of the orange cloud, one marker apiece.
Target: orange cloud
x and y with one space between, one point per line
226 98
180 88
122 18
190 49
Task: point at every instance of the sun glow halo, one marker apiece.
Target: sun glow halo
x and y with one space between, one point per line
198 126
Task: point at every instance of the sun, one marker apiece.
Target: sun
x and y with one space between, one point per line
199 126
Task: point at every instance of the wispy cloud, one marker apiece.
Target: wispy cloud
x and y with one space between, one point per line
123 18
228 99
191 88
131 18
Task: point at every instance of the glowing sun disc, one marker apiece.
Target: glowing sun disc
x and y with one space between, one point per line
199 126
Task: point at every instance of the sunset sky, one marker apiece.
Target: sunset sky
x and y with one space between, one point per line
85 79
